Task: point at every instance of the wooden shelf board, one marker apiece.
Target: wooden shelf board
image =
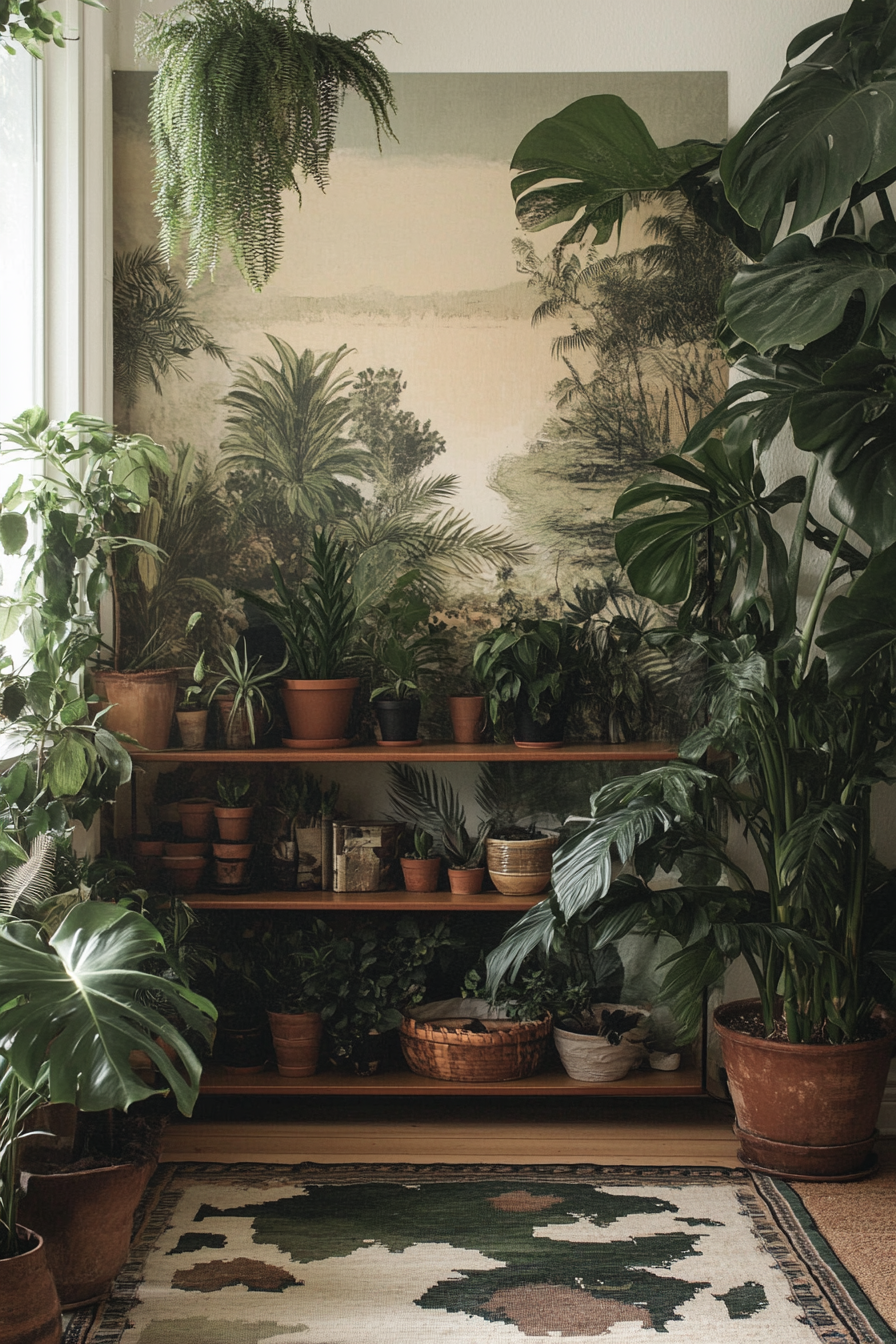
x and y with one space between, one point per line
427 751
684 1082
490 901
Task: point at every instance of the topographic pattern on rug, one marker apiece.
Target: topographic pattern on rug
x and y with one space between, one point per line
478 1255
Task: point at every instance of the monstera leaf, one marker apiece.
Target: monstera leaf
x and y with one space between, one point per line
822 130
74 1005
604 152
859 629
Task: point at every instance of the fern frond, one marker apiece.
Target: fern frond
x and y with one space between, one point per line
31 883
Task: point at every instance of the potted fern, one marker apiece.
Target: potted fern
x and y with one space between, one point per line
246 96
797 710
420 797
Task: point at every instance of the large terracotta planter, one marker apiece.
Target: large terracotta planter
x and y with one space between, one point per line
86 1220
520 867
804 1110
142 705
318 711
29 1303
467 717
296 1039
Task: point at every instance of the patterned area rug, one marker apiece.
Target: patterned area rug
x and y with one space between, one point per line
477 1255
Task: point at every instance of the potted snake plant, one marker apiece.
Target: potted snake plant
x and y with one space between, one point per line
796 722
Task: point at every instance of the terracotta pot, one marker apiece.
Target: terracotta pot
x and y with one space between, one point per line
197 818
235 727
185 874
467 717
234 823
142 705
296 1039
520 867
466 881
231 864
318 711
186 849
86 1220
803 1110
398 719
193 726
146 858
31 1312
421 874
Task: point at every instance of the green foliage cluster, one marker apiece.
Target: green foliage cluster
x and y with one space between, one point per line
66 516
433 803
29 25
401 643
536 661
246 95
796 719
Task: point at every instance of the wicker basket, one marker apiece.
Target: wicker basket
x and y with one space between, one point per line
516 1051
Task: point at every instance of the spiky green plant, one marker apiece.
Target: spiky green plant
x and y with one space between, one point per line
245 95
432 803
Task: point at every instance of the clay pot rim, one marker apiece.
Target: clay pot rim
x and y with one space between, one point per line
230 848
162 674
319 684
744 1038
235 812
185 860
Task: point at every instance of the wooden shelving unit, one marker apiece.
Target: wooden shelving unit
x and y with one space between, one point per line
687 1081
684 1082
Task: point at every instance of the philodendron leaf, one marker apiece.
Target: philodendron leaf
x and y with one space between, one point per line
81 1010
67 766
605 152
810 140
860 627
13 532
800 292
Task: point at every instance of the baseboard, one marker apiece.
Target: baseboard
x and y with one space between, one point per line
887 1120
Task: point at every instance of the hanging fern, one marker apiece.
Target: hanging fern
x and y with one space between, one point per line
245 95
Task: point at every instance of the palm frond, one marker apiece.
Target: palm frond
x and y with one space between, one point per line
29 884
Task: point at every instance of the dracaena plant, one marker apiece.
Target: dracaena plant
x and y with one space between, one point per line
65 515
797 718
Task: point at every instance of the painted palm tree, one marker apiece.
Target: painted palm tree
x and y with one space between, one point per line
287 427
185 515
153 329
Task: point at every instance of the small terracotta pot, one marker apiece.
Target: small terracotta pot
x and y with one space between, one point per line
185 874
231 872
193 726
296 1039
466 881
197 818
467 717
421 874
225 850
28 1293
234 823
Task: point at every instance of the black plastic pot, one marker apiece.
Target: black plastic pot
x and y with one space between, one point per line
529 733
398 719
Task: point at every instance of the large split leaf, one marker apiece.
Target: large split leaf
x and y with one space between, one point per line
80 1009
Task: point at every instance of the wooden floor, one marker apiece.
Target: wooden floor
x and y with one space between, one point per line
609 1131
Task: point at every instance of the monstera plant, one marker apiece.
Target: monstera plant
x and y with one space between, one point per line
786 589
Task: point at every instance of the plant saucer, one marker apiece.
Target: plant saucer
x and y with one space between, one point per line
401 742
537 746
315 743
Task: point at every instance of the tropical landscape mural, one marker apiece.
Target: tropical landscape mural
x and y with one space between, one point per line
451 396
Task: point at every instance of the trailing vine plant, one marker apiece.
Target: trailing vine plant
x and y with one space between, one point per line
245 95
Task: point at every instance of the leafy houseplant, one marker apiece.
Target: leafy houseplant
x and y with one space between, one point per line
382 972
73 1010
65 516
797 706
403 647
532 667
245 95
318 623
300 970
434 803
420 868
234 815
243 696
